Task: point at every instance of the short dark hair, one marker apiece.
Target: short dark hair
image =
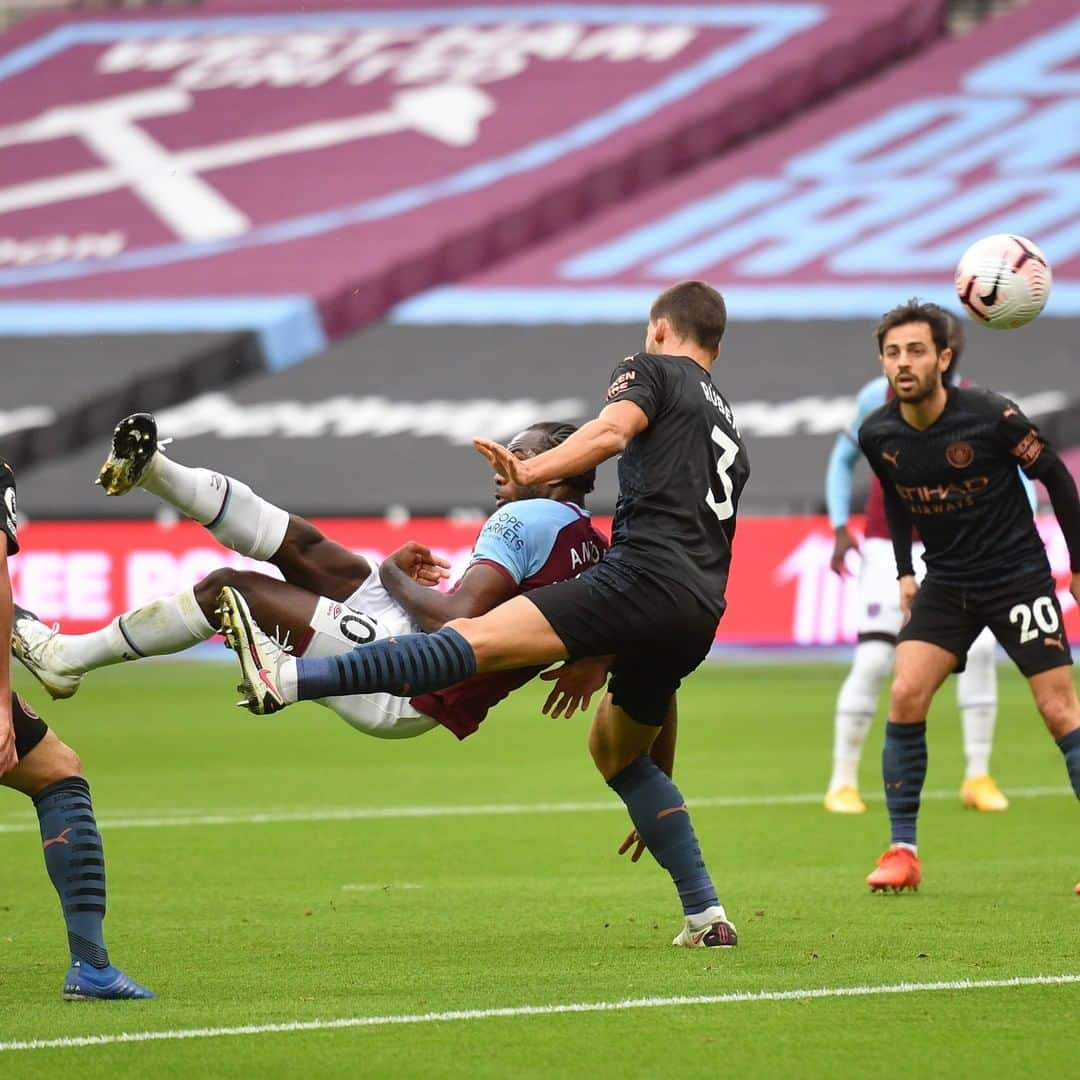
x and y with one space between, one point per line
915 311
555 432
695 310
957 339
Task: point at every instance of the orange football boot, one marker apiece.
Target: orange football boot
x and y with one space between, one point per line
897 869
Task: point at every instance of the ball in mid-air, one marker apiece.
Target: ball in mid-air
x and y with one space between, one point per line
1003 281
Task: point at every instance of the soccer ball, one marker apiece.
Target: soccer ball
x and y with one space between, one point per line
1003 281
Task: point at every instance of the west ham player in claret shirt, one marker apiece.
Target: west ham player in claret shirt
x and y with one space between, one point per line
651 605
947 459
332 598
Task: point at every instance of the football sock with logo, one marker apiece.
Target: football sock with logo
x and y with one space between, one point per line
1070 747
903 768
237 517
661 819
405 665
164 626
76 864
855 707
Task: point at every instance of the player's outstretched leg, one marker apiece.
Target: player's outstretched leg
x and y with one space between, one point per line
855 706
976 695
50 774
59 661
236 516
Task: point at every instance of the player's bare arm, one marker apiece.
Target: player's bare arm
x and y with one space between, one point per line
843 542
481 588
591 444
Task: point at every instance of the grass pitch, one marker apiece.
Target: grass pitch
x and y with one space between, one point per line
285 870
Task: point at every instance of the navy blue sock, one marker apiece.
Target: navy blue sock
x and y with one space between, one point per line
1070 747
903 767
660 816
76 864
403 666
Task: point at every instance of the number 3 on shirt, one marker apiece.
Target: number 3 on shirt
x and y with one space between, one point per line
729 450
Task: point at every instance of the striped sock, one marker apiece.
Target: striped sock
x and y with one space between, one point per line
76 864
1070 747
903 768
659 814
403 666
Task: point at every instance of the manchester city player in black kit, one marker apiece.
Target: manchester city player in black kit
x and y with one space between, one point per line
651 606
35 762
947 458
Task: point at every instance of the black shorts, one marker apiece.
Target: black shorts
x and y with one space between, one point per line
658 631
30 729
1024 616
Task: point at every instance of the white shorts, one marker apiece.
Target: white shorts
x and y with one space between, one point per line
370 614
879 594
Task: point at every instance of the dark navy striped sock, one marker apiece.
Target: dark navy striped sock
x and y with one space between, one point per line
659 814
1070 747
403 666
903 768
76 864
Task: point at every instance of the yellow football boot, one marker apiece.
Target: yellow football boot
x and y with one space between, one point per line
845 800
981 793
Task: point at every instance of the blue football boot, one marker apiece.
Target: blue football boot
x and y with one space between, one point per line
86 983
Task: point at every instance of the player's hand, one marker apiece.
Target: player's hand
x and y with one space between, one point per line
908 588
844 543
420 563
574 686
503 461
633 841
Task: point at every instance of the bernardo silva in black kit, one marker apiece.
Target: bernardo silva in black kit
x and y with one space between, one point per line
947 458
648 610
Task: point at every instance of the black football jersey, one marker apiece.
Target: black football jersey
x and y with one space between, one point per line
10 519
958 481
681 478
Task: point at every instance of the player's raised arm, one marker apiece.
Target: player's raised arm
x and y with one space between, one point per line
593 443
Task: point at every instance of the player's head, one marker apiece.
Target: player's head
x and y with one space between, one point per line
530 442
957 341
913 342
690 311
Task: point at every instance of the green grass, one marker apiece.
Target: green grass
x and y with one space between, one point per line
249 923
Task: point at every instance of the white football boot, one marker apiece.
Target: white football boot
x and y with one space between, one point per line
31 642
710 929
260 655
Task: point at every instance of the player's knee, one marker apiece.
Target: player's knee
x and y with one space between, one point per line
64 762
1059 710
209 589
909 699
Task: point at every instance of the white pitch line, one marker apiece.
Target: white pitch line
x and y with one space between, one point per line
389 813
511 1012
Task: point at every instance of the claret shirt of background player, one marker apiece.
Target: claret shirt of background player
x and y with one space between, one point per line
532 543
958 480
680 479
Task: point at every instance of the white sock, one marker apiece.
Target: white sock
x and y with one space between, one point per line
913 848
286 679
156 629
976 694
234 514
855 708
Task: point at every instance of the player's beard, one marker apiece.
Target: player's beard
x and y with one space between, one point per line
921 391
